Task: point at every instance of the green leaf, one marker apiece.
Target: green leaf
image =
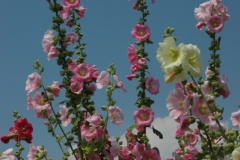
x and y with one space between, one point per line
62 102
75 121
158 133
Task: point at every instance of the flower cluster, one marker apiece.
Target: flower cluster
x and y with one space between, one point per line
211 14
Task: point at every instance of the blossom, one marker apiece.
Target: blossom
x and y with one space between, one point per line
76 86
142 62
29 102
152 85
235 118
131 76
33 82
200 108
38 102
151 154
224 91
88 132
215 24
140 32
193 151
53 52
102 80
80 11
34 151
114 148
65 12
236 153
178 105
7 155
143 116
115 115
72 37
191 60
94 119
47 40
72 3
43 113
191 138
65 118
82 72
132 54
55 89
119 83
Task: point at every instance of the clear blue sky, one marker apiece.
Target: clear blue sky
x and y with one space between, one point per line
106 27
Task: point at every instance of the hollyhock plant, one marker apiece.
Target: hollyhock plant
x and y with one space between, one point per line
119 83
33 82
178 105
140 32
34 151
235 118
152 85
201 110
7 155
151 154
72 3
115 115
47 41
55 89
132 54
65 118
65 12
80 11
143 116
102 80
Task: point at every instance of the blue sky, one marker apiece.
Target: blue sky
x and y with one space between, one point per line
107 29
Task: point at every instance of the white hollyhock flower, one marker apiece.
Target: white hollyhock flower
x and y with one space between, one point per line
191 60
168 53
236 154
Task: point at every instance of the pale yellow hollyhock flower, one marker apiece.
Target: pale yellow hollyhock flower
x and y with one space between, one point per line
236 154
191 60
168 53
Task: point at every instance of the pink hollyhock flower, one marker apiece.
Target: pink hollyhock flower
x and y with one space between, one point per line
72 37
115 115
88 132
47 40
179 132
131 76
7 155
215 24
53 52
94 119
214 126
34 151
65 12
43 113
124 154
114 148
33 82
235 118
65 118
29 102
72 65
132 54
151 154
80 11
102 80
38 102
55 89
200 25
119 83
140 32
93 73
70 23
138 150
178 85
134 68
193 151
225 92
72 3
201 110
142 62
178 105
205 88
152 85
191 138
76 87
135 6
187 157
82 72
143 116
184 124
92 87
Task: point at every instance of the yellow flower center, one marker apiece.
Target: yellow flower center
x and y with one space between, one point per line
141 33
41 102
72 1
173 54
82 73
192 60
203 109
180 103
144 117
215 24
